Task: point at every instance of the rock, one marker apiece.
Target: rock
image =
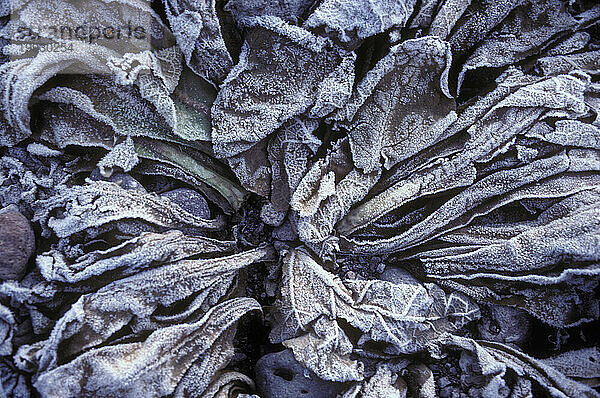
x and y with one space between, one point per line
17 243
190 201
285 232
279 375
443 382
446 392
124 180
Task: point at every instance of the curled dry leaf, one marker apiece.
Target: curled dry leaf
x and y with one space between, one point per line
129 257
495 358
402 105
582 365
23 74
488 135
132 300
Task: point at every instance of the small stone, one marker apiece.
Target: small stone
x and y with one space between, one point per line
285 232
17 243
443 381
123 180
279 375
190 201
446 392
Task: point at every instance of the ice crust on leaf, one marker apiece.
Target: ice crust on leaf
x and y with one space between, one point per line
280 75
402 105
358 20
100 202
408 317
196 26
131 369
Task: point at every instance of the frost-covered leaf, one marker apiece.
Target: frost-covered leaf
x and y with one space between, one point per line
26 72
479 19
13 383
7 325
225 384
326 351
129 257
359 19
123 109
582 365
406 316
131 301
548 270
280 75
446 17
569 133
195 167
196 26
588 62
538 179
327 192
290 10
489 134
492 359
154 366
122 155
289 152
567 239
100 202
253 169
524 33
155 73
402 105
384 383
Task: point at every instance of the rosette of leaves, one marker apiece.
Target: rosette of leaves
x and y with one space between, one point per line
453 142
